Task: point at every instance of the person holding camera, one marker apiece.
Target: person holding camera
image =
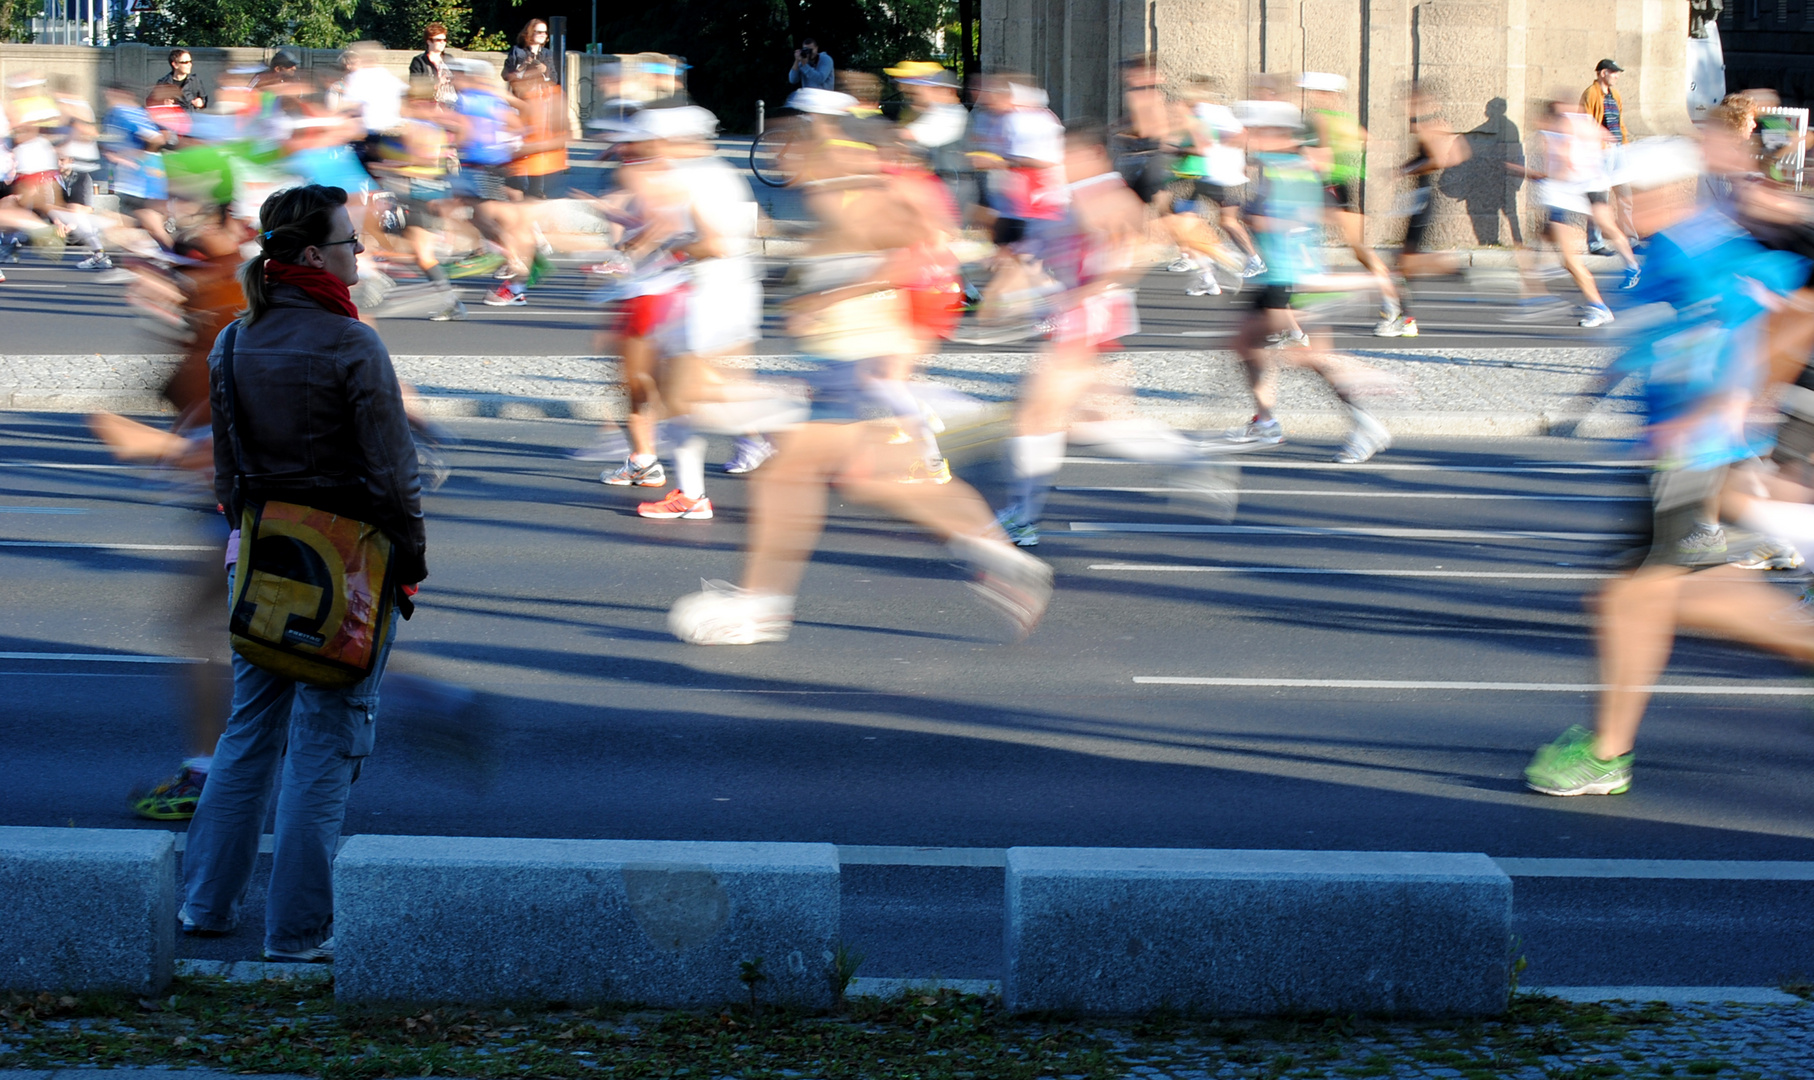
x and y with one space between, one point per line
812 68
529 58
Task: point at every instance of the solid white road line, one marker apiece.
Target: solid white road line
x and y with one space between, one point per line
1480 575
40 510
1248 461
1386 532
1315 493
64 465
101 658
1724 690
107 547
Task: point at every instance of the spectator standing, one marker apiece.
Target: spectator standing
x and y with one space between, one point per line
317 418
528 58
812 69
182 76
431 64
1601 101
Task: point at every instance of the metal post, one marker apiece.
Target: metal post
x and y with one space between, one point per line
761 118
592 42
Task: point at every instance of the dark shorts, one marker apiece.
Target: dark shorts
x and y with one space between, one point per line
841 392
1678 505
1419 226
1341 195
78 188
132 204
1598 198
1272 298
1572 219
1008 230
1220 194
485 183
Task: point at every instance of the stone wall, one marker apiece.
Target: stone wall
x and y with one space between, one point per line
1492 64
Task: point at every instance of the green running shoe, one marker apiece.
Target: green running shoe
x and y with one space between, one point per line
1568 767
173 799
480 264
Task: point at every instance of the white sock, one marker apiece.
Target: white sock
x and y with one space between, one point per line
689 463
642 461
1036 455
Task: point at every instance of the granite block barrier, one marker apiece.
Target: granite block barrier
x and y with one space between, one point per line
1117 931
87 909
662 923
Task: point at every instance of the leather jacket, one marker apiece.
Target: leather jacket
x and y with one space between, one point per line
321 423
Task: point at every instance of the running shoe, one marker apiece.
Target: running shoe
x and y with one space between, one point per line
1020 533
723 614
1254 268
1596 315
1770 555
1400 326
320 954
481 264
748 453
9 251
1631 278
1263 432
924 472
1706 541
172 799
2 277
97 261
1288 339
451 313
1368 438
677 505
1205 285
505 296
1181 265
650 475
1568 767
1014 583
118 275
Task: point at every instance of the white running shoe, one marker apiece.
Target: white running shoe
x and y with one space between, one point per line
1368 438
1205 285
1264 432
1596 315
723 614
1255 266
1013 582
1181 265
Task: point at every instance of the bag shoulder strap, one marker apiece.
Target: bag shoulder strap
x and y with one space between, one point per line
229 399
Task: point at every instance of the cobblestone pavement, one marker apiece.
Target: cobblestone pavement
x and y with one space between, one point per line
1514 391
1543 1041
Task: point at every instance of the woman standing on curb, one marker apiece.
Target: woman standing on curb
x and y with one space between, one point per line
320 422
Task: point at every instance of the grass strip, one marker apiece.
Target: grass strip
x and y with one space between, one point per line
297 1027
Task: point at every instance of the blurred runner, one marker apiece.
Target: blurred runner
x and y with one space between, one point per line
1286 212
852 317
1339 149
1434 147
1706 294
1568 153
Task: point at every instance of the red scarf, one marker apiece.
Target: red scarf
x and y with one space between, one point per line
318 285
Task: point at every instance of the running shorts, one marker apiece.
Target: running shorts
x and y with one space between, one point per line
723 306
1272 298
644 315
1598 198
934 310
1341 195
1099 319
483 182
1423 212
1220 194
1573 219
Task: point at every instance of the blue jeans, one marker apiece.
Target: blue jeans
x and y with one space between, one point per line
321 738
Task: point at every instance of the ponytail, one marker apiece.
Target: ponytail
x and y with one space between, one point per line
290 221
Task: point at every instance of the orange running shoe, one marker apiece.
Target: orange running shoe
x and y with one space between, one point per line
677 505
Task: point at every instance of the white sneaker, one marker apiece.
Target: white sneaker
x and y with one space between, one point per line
1596 315
320 954
723 614
1013 582
97 261
1205 285
1255 266
1368 438
1181 265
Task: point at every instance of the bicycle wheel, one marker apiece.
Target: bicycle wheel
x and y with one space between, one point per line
766 160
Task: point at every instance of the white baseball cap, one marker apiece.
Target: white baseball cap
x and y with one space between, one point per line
821 102
1322 80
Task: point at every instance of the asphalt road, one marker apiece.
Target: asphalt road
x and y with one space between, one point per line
895 718
55 309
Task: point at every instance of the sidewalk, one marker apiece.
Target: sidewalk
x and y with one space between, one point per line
206 1030
1453 392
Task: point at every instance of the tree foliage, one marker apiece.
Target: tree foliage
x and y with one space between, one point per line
16 17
